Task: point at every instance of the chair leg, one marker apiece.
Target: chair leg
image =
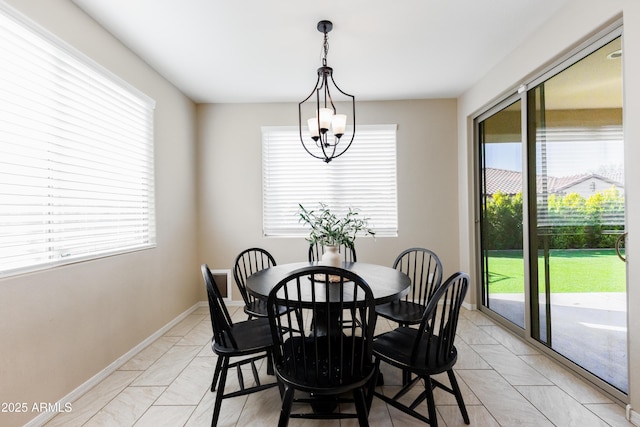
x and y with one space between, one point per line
270 363
458 395
406 377
431 403
361 407
220 393
216 373
374 383
280 389
287 403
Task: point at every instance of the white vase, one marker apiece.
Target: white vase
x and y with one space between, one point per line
331 256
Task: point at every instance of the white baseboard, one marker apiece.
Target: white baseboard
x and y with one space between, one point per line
632 416
97 378
469 306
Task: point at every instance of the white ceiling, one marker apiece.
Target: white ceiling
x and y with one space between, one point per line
268 51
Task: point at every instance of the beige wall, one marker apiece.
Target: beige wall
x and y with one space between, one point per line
573 23
60 327
230 178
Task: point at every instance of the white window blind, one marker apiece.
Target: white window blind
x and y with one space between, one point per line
599 194
363 178
76 154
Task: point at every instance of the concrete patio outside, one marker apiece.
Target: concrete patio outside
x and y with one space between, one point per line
588 328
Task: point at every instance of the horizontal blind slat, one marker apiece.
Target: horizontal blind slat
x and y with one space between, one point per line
363 178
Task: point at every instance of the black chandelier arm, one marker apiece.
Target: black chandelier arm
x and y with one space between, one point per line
304 145
324 147
311 93
353 98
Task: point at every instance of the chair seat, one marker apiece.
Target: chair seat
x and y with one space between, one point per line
396 347
250 336
403 312
258 308
328 377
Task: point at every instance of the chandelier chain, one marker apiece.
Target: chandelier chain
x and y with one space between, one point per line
325 49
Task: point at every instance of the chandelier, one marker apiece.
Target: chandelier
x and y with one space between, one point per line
326 127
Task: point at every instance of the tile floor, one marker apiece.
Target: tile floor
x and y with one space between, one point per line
505 382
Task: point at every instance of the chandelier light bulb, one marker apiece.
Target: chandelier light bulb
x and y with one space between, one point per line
312 123
325 119
338 124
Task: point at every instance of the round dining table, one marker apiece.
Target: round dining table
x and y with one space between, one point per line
387 284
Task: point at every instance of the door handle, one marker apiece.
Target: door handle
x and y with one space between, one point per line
618 240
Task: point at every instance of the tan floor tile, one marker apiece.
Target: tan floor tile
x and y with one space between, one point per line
476 317
445 398
502 401
94 400
513 343
470 333
478 416
199 335
398 417
203 311
510 366
185 325
165 416
559 407
126 407
567 381
468 358
611 413
206 350
191 385
230 411
168 367
203 413
261 409
150 354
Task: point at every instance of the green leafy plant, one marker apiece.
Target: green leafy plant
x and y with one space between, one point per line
328 229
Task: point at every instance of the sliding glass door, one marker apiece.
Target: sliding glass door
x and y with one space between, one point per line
501 188
576 148
565 287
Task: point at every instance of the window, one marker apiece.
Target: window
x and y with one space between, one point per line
76 154
363 178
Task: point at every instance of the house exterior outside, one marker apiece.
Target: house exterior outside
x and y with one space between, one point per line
510 183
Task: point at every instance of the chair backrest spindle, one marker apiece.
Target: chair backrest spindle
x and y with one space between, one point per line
221 322
248 262
440 320
323 352
425 271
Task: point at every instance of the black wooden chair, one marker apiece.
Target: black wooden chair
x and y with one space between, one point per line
316 250
241 339
425 271
325 360
248 262
427 350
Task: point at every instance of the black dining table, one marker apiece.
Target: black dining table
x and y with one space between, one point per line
387 284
